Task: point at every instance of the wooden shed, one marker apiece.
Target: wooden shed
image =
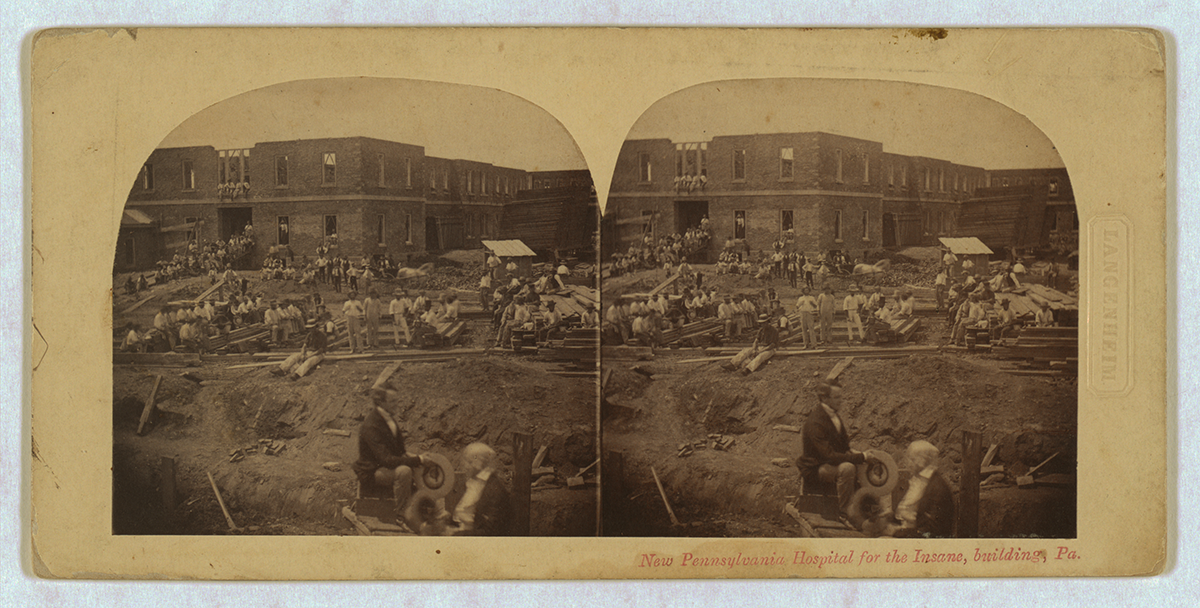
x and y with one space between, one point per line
967 248
512 251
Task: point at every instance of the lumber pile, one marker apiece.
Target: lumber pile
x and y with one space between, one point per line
1043 351
577 344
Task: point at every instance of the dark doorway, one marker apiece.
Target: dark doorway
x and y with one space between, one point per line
688 214
232 220
431 234
889 230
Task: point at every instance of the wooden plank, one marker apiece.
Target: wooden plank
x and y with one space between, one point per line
1030 472
139 304
522 473
968 486
663 493
149 405
838 369
208 292
541 455
804 525
353 519
991 453
665 284
221 501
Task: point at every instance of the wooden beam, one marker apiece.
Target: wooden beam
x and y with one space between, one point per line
386 374
663 493
522 472
209 291
968 486
1030 472
795 514
221 501
353 519
838 369
149 405
541 455
991 453
139 304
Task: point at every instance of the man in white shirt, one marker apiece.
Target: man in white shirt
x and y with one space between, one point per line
399 310
353 310
729 315
1045 316
806 305
372 309
851 303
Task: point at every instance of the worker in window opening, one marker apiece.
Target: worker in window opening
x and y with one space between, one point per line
383 461
1045 316
825 306
827 456
761 350
312 352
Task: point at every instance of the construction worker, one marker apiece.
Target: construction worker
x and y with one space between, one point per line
825 306
353 310
765 342
806 306
312 352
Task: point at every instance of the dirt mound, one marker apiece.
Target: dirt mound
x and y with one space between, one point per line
204 427
887 404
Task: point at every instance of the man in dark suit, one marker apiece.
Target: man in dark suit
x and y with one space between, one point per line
383 461
826 456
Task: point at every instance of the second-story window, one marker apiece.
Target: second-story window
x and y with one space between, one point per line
644 168
281 170
329 172
739 165
837 156
786 169
408 173
866 169
382 171
147 176
189 175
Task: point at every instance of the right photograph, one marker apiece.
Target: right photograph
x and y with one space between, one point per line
838 308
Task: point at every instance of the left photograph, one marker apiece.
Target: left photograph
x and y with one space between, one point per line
358 307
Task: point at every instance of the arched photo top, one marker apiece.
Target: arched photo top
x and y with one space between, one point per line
850 165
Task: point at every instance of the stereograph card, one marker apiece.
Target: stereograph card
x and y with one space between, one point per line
669 296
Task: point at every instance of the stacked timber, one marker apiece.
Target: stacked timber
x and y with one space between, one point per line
578 344
1043 351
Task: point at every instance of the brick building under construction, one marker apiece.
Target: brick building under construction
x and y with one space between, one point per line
828 192
366 197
